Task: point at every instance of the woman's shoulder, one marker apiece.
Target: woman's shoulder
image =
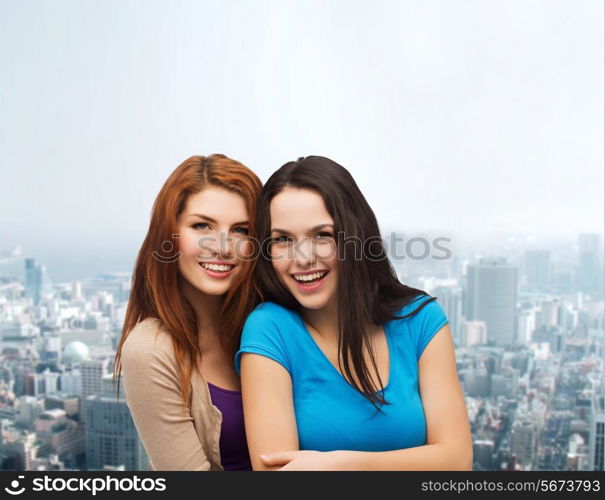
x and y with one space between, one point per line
269 331
419 304
270 323
148 339
426 318
418 312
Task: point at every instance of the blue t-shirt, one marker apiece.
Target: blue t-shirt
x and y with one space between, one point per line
330 413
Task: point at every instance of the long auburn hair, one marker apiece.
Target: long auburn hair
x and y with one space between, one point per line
369 292
155 293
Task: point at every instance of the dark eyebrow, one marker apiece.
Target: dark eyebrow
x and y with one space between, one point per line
210 219
314 228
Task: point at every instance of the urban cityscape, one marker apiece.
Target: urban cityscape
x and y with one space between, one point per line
527 324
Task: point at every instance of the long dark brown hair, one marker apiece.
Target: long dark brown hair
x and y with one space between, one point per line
155 292
369 292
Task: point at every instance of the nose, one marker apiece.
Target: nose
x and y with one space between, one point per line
225 245
305 252
219 244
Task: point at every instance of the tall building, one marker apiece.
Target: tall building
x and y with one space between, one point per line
483 450
51 381
524 441
37 282
60 435
93 371
595 442
71 382
537 268
590 264
111 436
450 299
491 296
526 324
548 314
52 346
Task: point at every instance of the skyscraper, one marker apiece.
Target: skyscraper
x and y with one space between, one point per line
37 281
590 264
450 298
596 439
491 296
524 441
33 280
111 436
93 371
537 268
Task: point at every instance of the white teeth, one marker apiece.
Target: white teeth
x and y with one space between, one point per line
309 277
216 267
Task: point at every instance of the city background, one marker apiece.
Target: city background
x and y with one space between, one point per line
527 326
479 120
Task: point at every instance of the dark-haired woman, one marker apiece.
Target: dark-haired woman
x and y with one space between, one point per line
192 289
344 367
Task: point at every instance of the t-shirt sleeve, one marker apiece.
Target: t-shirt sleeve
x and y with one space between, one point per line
426 323
261 335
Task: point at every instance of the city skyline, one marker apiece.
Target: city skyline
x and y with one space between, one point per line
477 121
533 386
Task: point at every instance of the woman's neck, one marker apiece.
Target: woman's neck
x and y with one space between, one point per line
207 309
324 320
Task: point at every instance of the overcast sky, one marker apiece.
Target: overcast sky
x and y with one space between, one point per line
451 115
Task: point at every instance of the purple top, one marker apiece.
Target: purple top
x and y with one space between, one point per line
233 445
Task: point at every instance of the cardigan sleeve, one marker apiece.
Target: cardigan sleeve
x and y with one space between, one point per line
153 395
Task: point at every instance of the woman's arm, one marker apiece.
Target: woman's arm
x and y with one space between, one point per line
268 408
153 394
449 443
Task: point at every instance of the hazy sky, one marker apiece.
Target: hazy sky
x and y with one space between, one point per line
451 114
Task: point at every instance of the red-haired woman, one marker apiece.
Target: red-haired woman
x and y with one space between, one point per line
192 289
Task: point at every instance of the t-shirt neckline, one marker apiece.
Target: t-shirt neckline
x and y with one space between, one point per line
337 372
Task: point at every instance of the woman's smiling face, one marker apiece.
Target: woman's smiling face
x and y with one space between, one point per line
213 239
303 247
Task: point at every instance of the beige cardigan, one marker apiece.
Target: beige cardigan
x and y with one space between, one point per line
174 437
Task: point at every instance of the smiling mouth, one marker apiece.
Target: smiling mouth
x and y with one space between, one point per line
309 278
217 268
